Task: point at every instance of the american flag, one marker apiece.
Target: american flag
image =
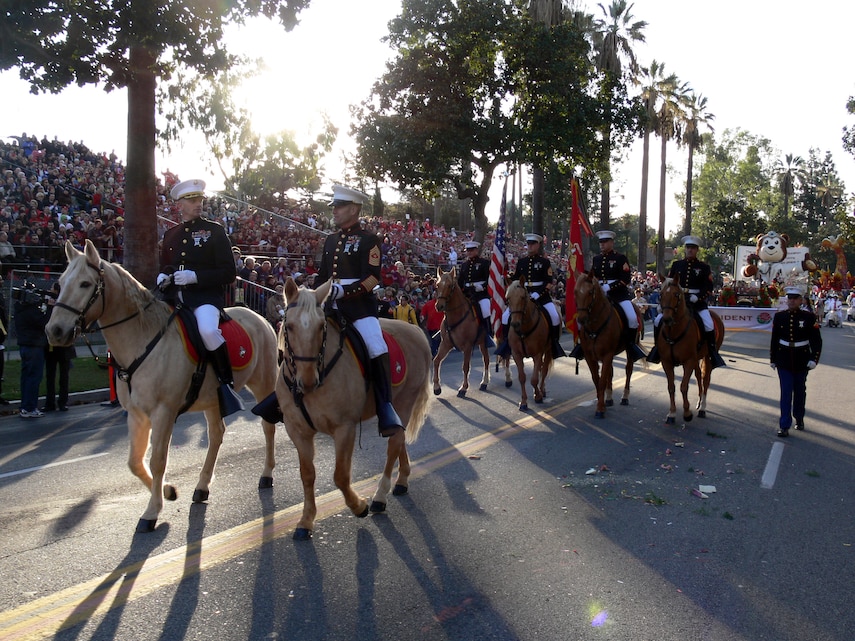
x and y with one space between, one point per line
496 282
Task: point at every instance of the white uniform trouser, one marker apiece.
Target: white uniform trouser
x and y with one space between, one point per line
550 308
369 329
208 320
705 317
631 313
484 305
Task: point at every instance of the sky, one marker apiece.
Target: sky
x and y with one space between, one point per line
777 70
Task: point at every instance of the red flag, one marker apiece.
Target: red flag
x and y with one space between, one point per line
580 232
496 281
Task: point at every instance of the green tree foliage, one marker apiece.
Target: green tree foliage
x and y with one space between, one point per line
819 208
849 132
135 45
476 84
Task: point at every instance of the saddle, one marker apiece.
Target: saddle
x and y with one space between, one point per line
354 343
239 343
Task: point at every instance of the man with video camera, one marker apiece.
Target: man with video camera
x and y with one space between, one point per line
30 321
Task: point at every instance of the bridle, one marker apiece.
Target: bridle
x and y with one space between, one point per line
524 313
589 312
445 298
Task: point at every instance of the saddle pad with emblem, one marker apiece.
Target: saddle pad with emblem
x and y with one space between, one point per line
397 362
238 341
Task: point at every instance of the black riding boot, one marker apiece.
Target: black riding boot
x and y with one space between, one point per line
229 400
633 351
715 358
504 348
488 332
387 418
653 356
555 335
268 409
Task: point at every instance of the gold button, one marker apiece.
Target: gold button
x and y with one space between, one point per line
184 242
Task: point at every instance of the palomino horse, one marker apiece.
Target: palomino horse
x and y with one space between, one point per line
528 336
681 341
142 339
322 389
601 333
461 329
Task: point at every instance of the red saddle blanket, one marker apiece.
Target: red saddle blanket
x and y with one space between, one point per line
397 362
238 341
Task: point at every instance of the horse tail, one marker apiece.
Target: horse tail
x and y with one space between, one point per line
419 411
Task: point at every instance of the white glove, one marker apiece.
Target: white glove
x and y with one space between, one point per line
336 292
606 287
773 366
479 287
281 312
185 277
811 364
693 298
535 295
161 278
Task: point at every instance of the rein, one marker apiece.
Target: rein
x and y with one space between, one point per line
525 314
449 326
590 310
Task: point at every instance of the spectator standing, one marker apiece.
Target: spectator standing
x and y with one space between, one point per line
276 307
404 311
30 321
432 321
794 351
4 320
57 359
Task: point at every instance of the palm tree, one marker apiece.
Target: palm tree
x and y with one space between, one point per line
696 115
669 122
654 83
614 37
787 174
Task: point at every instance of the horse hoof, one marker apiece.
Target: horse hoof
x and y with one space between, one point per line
461 393
599 414
437 391
688 417
364 512
509 384
200 496
265 482
539 401
377 507
483 387
146 525
399 490
702 413
670 420
624 401
302 534
610 403
523 407
170 493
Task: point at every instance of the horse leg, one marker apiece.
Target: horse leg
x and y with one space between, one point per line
485 353
396 450
672 408
161 435
508 381
628 370
596 377
266 479
344 438
703 375
467 361
688 370
216 430
519 361
607 376
441 353
305 444
537 378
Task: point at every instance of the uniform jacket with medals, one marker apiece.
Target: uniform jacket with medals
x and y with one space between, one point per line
613 268
474 272
201 246
353 254
795 340
537 272
695 277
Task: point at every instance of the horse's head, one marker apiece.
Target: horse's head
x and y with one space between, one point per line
517 299
586 293
81 287
672 300
445 284
302 336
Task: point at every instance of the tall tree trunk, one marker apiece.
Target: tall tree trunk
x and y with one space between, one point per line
687 221
537 189
606 179
642 209
660 244
140 246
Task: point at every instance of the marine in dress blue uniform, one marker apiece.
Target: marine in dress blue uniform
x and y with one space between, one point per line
794 350
472 277
196 257
614 272
695 278
536 271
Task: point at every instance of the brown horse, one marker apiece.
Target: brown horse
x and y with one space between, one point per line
528 336
461 329
322 389
681 341
601 333
159 372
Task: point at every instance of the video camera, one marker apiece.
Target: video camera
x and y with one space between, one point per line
29 294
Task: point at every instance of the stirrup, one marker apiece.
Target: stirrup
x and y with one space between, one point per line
229 401
653 355
268 409
577 352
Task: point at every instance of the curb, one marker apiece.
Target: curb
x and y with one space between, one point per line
75 398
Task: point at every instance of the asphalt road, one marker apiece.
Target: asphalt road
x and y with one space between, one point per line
505 534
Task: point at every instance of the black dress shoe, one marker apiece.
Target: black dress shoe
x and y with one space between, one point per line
800 426
48 408
63 408
783 433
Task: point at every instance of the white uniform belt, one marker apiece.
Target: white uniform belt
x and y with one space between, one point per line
477 282
346 281
693 291
793 343
538 283
611 282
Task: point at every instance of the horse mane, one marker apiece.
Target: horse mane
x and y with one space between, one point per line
153 313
